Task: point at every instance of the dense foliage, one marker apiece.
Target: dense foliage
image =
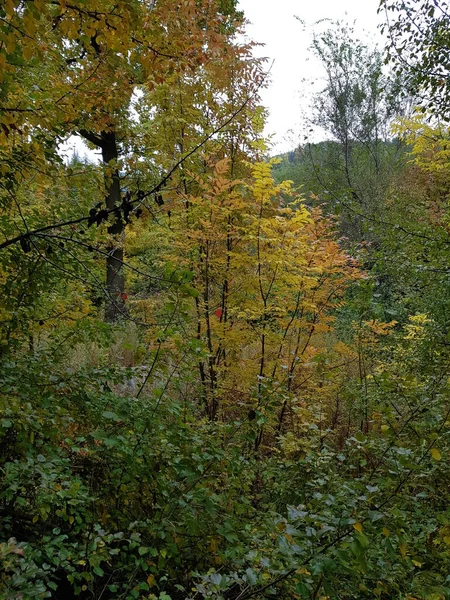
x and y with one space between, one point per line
222 375
418 43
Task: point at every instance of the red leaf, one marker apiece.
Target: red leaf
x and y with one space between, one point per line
124 296
218 313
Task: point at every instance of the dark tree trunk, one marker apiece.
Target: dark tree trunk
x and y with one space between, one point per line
115 281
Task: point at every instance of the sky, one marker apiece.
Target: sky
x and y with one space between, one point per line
295 73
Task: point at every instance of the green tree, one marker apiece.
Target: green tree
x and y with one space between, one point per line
355 110
418 43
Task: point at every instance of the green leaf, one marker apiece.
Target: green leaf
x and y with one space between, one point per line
110 415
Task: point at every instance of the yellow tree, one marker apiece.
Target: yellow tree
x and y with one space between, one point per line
268 276
73 68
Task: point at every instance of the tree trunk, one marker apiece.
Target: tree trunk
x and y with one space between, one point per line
115 281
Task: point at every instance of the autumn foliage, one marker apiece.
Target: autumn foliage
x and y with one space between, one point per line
206 389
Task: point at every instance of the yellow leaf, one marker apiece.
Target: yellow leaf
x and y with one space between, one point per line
402 548
213 545
10 43
9 7
28 24
435 454
386 532
27 51
151 580
385 428
358 526
2 62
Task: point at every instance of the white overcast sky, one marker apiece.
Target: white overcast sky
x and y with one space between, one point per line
286 43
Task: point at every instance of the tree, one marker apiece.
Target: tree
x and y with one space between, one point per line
418 43
357 103
355 109
267 278
90 53
410 262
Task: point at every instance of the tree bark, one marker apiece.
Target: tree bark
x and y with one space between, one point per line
115 281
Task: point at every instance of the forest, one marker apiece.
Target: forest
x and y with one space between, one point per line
224 374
